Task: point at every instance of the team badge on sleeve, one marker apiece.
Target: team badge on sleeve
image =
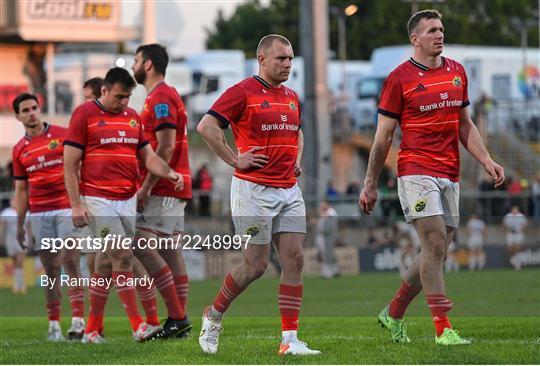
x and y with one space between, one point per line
161 110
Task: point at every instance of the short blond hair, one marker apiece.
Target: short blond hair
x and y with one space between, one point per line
268 40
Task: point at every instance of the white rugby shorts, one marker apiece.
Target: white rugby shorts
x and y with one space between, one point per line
162 215
261 211
54 224
111 217
423 196
514 238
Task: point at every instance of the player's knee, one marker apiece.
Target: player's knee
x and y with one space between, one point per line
123 260
438 250
294 263
53 269
104 269
256 269
71 264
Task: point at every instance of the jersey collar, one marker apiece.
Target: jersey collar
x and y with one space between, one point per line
156 86
262 81
45 129
103 108
425 68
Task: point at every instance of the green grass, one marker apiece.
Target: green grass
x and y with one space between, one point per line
498 310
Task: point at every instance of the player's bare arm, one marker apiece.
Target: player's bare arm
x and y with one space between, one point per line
472 141
213 135
298 165
166 143
377 156
72 160
21 206
157 166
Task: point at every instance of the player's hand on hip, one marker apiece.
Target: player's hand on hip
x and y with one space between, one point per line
367 199
297 169
495 171
79 215
21 236
249 159
177 179
142 198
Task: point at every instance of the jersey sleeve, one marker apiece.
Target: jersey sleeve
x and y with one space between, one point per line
77 131
229 107
19 171
391 101
465 99
164 112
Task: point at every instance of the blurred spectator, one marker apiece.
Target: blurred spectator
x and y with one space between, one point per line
393 236
6 178
327 229
331 192
501 203
535 190
8 230
389 201
514 191
481 112
452 263
476 234
514 224
486 203
354 187
204 183
372 240
408 251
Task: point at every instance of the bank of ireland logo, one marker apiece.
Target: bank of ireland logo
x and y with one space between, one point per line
253 230
53 144
292 106
420 205
133 123
104 231
41 158
456 81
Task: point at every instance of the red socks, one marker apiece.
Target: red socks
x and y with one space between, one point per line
98 298
228 292
76 299
439 306
182 287
53 310
403 297
148 301
165 284
128 297
290 300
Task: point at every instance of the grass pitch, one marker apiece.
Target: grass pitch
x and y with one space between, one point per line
498 310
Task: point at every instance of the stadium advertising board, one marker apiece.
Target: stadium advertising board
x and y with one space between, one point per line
86 20
389 259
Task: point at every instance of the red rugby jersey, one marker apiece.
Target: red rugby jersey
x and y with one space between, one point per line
110 143
40 160
266 116
164 108
427 103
